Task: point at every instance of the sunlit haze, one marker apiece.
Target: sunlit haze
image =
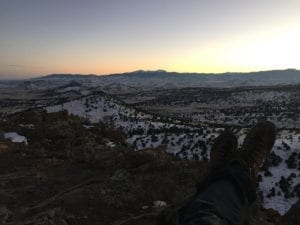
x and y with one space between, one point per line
40 37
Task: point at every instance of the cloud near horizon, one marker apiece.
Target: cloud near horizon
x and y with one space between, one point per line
16 66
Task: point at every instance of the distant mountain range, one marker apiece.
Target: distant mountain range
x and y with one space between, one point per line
146 73
141 80
150 80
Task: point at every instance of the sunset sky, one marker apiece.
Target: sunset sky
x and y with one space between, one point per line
39 37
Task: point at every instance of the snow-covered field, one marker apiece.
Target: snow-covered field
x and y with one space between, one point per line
143 130
279 184
284 179
246 107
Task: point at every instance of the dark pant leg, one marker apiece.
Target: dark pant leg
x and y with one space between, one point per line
219 204
223 199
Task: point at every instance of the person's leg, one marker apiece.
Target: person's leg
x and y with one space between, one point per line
223 198
217 204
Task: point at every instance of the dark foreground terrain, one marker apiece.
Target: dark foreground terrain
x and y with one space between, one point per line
68 173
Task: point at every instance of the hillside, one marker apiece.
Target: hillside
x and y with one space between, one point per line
45 90
70 173
69 119
144 131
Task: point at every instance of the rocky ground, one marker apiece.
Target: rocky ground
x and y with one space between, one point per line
68 174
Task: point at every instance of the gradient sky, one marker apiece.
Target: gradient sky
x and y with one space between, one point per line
39 37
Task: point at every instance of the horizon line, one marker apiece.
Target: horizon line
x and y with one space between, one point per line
145 71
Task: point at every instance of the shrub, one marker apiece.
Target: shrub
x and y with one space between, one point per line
284 185
292 161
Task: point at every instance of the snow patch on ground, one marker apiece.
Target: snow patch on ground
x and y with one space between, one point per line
14 137
280 202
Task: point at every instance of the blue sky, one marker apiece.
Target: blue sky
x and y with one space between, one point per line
40 37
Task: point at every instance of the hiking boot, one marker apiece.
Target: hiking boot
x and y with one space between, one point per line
223 149
257 145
